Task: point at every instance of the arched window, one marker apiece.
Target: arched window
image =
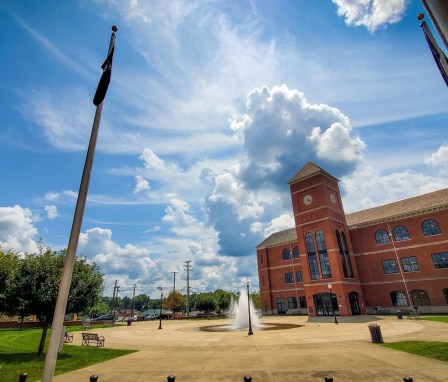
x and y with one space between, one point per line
382 237
295 252
401 233
286 254
431 227
398 299
347 256
420 297
312 257
323 255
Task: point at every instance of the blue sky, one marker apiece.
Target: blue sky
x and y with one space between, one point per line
213 106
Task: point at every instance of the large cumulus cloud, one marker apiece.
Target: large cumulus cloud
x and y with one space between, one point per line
279 132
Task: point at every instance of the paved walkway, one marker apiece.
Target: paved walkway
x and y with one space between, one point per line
306 353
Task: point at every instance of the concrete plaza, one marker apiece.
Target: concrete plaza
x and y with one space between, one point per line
307 353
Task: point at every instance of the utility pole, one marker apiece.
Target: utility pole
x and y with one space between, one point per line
174 286
188 267
133 302
112 307
116 300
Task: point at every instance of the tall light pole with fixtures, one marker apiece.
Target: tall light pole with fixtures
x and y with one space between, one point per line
331 302
160 314
250 332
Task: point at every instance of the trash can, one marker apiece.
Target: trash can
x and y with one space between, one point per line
400 315
375 334
129 322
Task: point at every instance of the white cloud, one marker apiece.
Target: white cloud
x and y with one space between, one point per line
280 124
52 212
439 160
367 187
17 231
335 144
372 14
131 261
141 184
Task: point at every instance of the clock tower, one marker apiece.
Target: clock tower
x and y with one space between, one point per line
329 271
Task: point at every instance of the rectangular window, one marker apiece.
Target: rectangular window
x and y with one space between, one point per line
289 278
410 264
299 277
440 260
262 280
292 302
389 266
261 259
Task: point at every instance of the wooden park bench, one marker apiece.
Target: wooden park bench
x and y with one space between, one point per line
92 337
68 337
87 325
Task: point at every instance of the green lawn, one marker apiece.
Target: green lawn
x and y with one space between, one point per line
18 355
435 318
436 350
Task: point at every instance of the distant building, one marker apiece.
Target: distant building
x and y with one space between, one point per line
388 258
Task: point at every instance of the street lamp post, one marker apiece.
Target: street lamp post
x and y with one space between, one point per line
160 313
331 302
248 308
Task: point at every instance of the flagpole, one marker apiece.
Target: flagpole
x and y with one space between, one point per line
64 287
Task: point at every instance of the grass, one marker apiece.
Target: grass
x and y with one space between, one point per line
18 355
436 350
435 318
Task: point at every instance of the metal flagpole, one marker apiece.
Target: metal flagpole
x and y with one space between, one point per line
64 287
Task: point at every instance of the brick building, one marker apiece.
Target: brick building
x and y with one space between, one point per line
387 258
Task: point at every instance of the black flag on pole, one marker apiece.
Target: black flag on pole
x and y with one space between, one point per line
438 54
101 90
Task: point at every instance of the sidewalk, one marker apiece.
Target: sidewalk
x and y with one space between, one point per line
306 353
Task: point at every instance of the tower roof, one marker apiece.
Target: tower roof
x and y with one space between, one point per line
309 170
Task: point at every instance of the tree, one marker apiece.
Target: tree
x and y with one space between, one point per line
256 299
205 302
36 286
222 299
8 270
142 302
175 302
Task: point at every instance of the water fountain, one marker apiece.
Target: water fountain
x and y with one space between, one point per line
240 313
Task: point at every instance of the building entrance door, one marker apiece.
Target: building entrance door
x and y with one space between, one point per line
354 304
326 304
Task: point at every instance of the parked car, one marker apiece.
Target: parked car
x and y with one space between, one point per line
103 317
165 316
150 316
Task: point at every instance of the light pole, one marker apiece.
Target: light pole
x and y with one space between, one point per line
160 314
331 302
248 308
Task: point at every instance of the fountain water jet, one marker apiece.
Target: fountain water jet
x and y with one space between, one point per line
239 312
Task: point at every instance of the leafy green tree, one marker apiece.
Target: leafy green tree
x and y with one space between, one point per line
8 270
142 302
205 302
125 303
175 302
256 299
222 299
36 286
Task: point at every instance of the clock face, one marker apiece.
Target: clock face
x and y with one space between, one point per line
307 199
333 198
